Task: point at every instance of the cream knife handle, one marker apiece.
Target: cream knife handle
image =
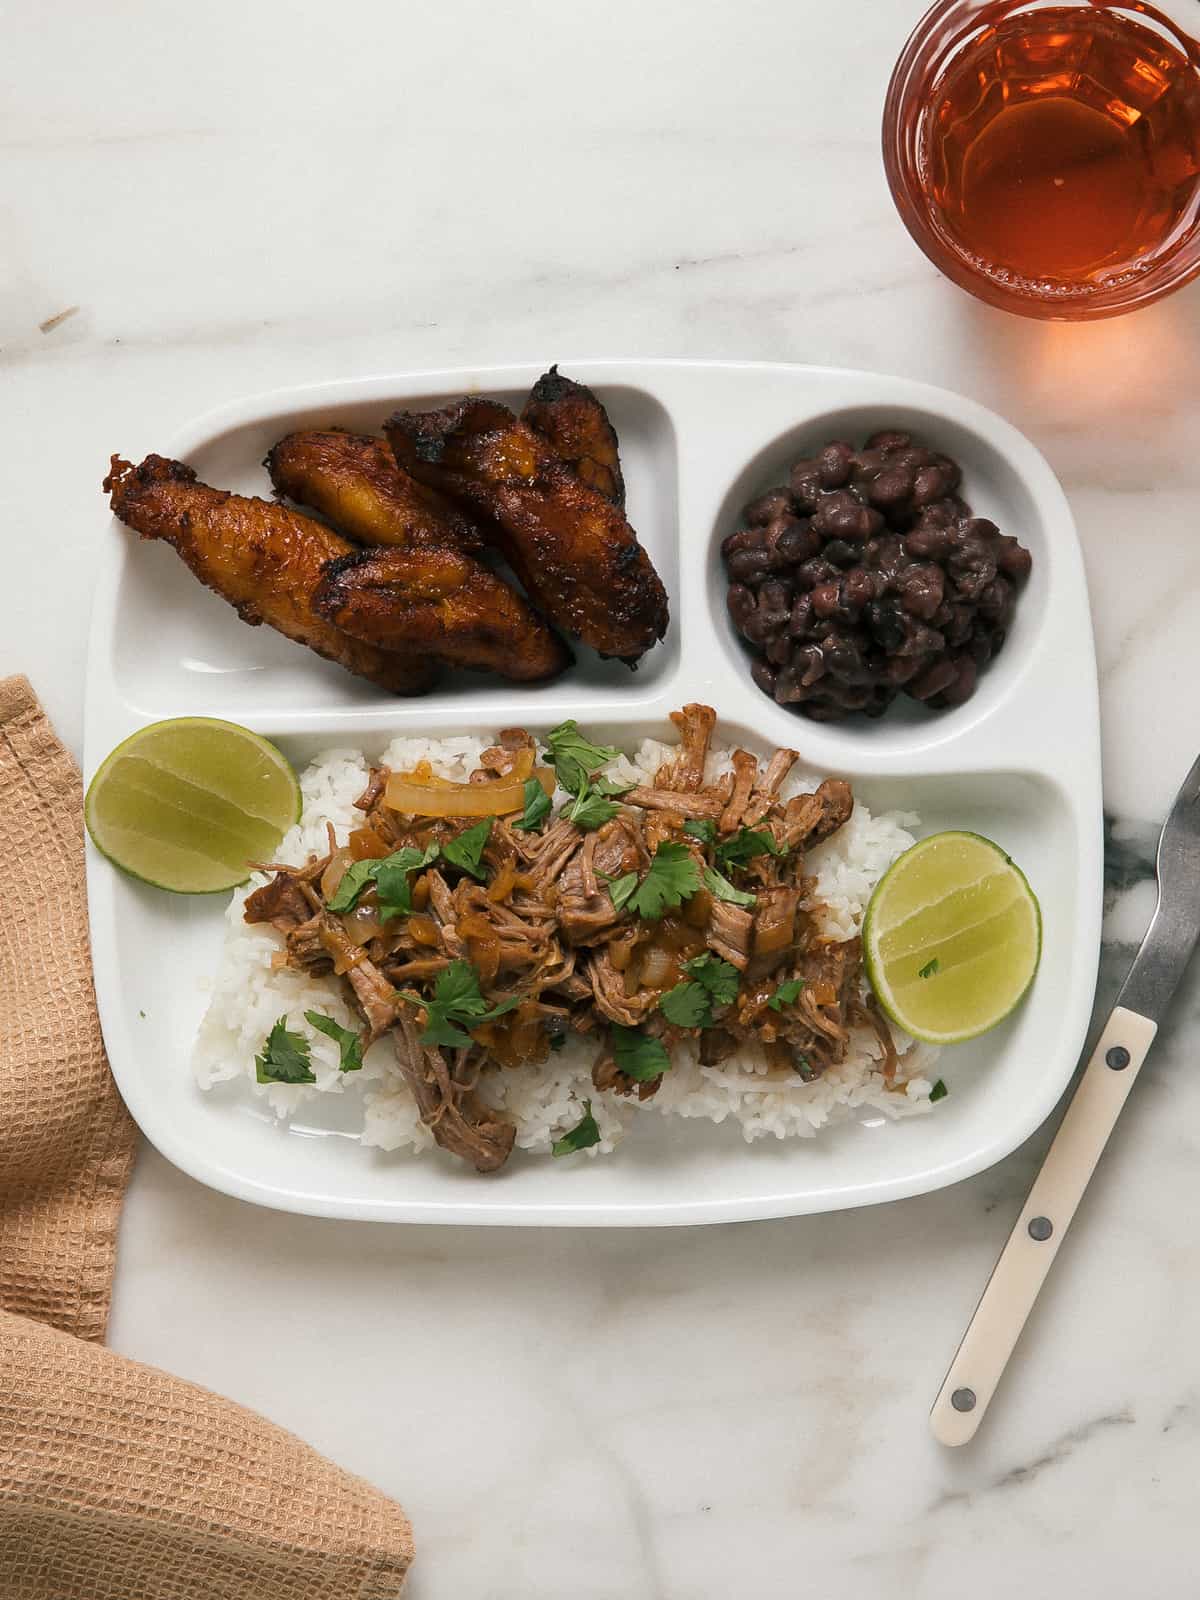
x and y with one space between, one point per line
1013 1287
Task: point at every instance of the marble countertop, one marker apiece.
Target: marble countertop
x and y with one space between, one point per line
202 203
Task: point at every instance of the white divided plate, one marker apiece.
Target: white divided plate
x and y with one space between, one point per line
1019 762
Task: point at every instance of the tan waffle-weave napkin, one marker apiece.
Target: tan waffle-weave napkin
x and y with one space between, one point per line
118 1482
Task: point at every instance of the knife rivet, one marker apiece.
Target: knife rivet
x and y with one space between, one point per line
1118 1058
1040 1228
963 1399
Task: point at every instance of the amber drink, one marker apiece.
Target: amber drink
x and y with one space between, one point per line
1047 157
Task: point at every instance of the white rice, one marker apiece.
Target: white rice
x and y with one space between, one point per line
249 995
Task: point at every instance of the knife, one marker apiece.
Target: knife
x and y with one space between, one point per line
1099 1098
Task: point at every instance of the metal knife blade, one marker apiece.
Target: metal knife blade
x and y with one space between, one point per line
1164 953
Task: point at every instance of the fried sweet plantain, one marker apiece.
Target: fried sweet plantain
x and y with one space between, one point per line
443 603
427 593
264 559
352 480
576 427
575 553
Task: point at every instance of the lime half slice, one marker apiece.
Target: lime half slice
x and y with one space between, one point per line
952 937
187 804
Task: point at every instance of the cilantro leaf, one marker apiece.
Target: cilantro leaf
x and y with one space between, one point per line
687 1005
718 977
710 982
590 810
637 1055
938 1092
745 844
440 1030
457 1000
357 876
466 851
575 758
582 1136
721 889
346 1039
286 1057
787 994
537 807
673 877
620 889
930 967
702 828
393 880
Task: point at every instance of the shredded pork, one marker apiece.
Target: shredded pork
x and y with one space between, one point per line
537 925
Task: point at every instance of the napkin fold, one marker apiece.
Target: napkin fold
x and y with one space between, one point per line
119 1482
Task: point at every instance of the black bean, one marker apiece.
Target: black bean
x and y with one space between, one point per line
758 627
891 487
746 565
788 690
979 647
796 543
764 676
808 663
833 464
775 596
743 539
963 686
741 603
921 590
993 601
929 485
933 680
805 483
1012 558
927 541
842 553
958 630
844 659
801 618
774 536
858 589
814 571
885 625
775 503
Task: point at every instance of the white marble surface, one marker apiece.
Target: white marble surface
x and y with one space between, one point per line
235 196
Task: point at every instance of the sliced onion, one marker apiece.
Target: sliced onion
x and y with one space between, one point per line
484 951
659 967
421 796
335 871
503 883
366 845
770 940
522 763
362 924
